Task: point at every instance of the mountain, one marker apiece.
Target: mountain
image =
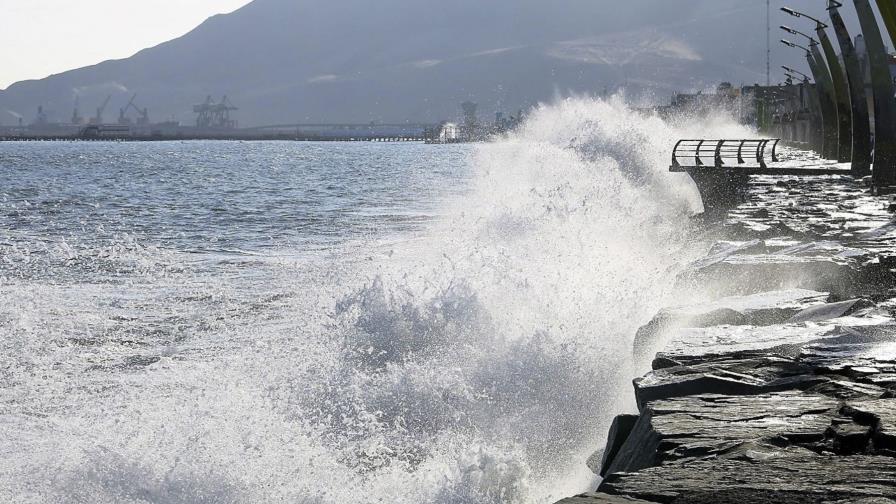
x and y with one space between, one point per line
287 61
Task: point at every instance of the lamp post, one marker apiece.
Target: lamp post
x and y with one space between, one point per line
827 104
838 80
884 172
861 122
814 133
794 73
798 14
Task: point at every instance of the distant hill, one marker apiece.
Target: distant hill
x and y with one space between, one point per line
285 61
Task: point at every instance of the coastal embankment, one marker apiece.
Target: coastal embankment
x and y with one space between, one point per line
779 386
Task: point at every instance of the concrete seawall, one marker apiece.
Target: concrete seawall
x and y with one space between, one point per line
780 387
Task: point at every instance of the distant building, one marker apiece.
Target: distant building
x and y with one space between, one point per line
449 133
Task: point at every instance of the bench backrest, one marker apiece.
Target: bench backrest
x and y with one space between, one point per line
694 153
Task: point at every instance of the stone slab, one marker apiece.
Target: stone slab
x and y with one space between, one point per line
595 498
795 478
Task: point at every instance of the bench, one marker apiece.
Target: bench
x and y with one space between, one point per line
723 153
722 168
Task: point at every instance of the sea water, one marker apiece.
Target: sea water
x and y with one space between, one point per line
217 322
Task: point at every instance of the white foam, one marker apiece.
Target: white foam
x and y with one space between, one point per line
480 361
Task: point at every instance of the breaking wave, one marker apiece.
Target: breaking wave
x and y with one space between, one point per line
483 361
479 361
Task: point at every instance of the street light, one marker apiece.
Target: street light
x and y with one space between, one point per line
796 72
795 46
798 14
791 31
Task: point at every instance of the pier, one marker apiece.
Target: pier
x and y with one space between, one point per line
296 133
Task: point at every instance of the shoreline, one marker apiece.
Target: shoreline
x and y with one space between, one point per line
780 389
225 138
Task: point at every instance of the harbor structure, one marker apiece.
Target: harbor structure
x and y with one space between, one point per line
215 115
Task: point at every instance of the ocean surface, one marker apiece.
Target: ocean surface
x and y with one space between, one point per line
217 322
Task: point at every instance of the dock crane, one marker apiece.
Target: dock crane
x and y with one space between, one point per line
99 111
122 119
215 115
142 114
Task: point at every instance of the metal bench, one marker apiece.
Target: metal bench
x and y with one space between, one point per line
723 153
722 168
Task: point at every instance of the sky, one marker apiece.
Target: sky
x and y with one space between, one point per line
43 37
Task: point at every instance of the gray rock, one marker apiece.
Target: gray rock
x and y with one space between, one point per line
708 425
740 409
843 389
731 376
723 250
794 478
700 344
859 352
763 309
619 432
869 500
749 274
594 498
880 415
849 437
831 311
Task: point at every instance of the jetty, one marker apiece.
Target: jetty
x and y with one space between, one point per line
779 383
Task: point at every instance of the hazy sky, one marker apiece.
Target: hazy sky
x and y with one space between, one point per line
43 37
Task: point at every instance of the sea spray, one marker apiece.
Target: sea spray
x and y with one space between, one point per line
476 360
493 350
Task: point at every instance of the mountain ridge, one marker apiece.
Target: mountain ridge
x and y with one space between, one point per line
285 61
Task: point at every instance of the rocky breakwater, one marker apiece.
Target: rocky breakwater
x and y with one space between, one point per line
780 387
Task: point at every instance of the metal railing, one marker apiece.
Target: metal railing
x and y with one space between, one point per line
724 153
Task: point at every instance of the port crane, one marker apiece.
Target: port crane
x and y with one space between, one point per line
215 115
99 111
142 114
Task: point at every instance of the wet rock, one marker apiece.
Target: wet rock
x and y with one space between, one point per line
648 335
595 461
697 344
754 310
757 451
619 432
869 500
708 425
594 498
883 379
640 449
760 309
723 250
700 344
749 274
796 478
730 376
842 389
880 415
831 311
849 437
773 403
860 352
